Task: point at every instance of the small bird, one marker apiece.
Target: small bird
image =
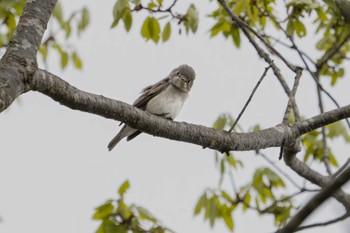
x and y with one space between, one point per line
164 98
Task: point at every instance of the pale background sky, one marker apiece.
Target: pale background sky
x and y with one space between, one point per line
55 167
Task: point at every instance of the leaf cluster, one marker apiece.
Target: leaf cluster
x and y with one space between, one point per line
80 20
116 216
152 28
313 144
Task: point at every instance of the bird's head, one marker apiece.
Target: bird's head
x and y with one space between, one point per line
182 77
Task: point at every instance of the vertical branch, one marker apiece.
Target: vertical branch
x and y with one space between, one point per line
291 101
325 157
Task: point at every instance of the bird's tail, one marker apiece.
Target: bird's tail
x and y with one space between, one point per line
115 141
124 132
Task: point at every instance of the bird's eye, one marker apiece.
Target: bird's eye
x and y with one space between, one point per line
178 73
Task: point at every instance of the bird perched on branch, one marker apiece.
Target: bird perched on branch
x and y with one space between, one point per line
164 98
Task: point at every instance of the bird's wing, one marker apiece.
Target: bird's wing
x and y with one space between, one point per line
146 95
149 92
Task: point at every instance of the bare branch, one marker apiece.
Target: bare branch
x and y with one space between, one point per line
250 97
340 170
316 201
291 101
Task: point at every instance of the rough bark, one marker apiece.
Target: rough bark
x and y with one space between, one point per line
19 62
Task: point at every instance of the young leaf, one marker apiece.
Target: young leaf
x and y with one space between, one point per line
77 61
104 210
64 59
166 32
200 204
123 188
145 33
85 19
127 19
154 29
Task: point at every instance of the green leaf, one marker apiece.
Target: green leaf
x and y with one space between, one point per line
145 33
290 28
228 220
64 59
67 28
58 13
191 19
44 51
77 61
221 26
235 34
166 32
212 210
222 167
299 28
332 159
241 5
127 19
123 210
220 123
154 29
146 215
226 196
200 204
104 210
85 19
115 23
246 201
119 7
123 188
337 130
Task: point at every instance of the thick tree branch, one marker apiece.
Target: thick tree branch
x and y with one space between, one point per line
222 141
19 61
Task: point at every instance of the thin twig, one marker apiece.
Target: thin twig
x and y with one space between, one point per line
321 224
325 157
279 41
233 183
340 170
159 10
250 97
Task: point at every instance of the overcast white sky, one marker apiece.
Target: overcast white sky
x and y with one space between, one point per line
55 167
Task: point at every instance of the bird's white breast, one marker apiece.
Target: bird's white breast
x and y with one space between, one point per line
168 103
